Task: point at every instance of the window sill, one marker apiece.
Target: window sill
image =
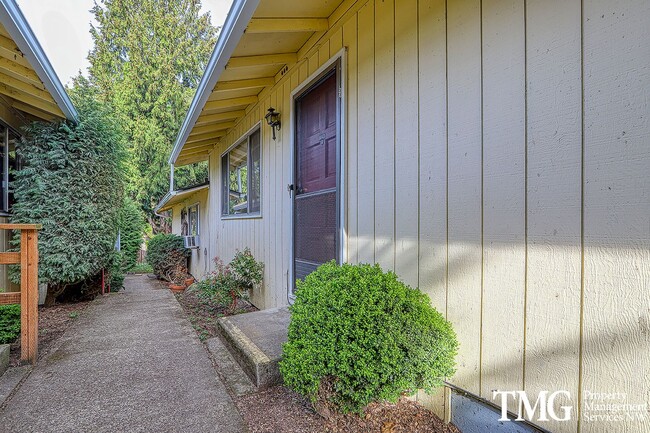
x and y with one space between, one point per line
242 217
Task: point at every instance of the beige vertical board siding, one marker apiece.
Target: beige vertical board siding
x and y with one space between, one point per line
406 141
323 52
206 234
616 314
313 62
267 211
303 71
200 260
284 194
464 205
271 210
276 217
504 194
385 134
176 218
336 41
433 151
432 244
214 211
351 142
282 214
278 194
553 196
259 245
366 133
259 222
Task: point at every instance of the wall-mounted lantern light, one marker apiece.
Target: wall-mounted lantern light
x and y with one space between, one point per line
273 119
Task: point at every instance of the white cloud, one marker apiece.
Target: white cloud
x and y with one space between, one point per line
63 29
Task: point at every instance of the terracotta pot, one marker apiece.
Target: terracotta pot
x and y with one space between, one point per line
176 288
189 282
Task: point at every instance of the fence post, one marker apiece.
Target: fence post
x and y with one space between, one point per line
29 295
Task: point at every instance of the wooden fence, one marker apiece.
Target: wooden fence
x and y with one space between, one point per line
27 258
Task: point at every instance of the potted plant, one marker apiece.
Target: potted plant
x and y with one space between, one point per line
177 271
177 285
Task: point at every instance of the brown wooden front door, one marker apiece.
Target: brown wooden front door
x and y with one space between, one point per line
315 218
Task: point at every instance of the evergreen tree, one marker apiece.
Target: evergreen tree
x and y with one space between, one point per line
72 184
148 59
132 227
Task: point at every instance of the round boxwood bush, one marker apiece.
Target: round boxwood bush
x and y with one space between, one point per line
163 251
365 336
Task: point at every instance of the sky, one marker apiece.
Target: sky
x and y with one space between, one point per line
63 30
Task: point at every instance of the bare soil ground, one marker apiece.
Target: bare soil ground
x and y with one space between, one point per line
203 314
52 323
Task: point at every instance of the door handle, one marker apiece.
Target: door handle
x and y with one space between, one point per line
290 187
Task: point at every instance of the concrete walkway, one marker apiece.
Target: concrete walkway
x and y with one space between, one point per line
131 363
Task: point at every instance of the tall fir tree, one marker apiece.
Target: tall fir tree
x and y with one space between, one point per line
147 61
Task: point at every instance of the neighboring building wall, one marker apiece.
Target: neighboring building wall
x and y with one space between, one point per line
499 161
200 260
7 117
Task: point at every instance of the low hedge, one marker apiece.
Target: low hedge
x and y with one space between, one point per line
9 323
358 335
162 251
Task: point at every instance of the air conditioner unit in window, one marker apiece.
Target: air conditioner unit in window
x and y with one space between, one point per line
191 241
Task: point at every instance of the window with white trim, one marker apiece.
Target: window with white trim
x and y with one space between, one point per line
240 177
193 220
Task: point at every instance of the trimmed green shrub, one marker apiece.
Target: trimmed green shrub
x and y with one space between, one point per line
228 283
9 323
359 335
246 271
219 287
72 183
164 251
132 226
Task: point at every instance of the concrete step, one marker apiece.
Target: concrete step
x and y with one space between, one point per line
255 341
4 358
231 372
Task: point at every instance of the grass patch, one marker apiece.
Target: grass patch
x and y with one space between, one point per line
142 268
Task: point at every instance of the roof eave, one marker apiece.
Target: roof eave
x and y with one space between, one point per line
171 194
237 20
163 202
22 34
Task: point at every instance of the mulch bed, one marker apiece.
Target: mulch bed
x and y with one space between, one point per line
280 410
52 323
203 315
